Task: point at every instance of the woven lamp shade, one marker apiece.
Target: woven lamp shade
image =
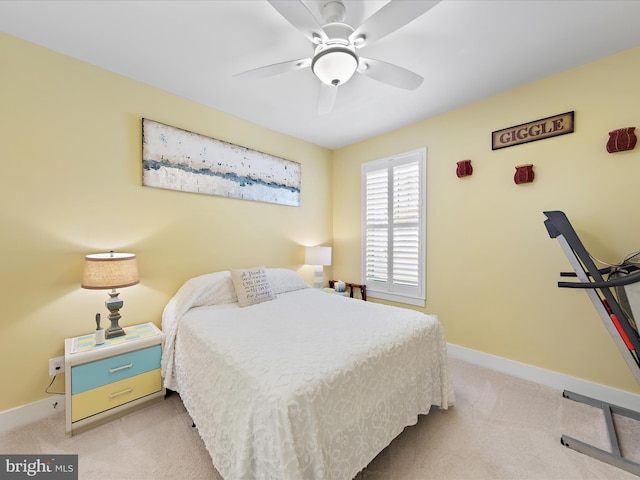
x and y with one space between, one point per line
103 271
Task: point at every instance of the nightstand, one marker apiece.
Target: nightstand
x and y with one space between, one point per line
106 381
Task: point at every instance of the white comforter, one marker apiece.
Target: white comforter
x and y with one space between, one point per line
307 386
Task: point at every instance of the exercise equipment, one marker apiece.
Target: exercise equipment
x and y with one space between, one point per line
612 292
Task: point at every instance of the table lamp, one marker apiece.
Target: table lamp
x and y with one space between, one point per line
318 257
108 271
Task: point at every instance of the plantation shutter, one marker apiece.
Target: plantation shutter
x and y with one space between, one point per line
393 227
377 221
406 224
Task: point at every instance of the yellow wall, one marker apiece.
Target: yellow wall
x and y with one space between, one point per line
492 269
71 158
71 185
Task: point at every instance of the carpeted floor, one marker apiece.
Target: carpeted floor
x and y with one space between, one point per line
500 428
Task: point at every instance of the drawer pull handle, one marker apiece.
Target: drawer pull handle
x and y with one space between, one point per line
123 392
117 369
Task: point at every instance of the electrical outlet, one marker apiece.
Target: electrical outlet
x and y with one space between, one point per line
56 365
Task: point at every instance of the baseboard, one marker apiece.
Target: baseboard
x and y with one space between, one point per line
546 377
19 416
31 412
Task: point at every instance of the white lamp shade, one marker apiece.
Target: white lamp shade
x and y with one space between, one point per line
317 256
103 271
335 65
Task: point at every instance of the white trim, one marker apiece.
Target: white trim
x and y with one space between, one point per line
388 290
25 414
394 297
31 412
546 377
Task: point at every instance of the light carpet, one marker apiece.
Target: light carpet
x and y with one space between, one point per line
500 428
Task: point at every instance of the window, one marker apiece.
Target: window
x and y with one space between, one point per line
393 221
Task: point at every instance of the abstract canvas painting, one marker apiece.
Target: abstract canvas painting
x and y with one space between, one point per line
177 159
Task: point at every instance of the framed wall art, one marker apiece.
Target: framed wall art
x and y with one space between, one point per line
177 159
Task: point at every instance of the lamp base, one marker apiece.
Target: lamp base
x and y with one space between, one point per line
114 304
318 276
112 332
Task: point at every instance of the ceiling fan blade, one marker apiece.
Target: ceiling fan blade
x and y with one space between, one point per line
327 98
298 15
275 69
394 15
389 73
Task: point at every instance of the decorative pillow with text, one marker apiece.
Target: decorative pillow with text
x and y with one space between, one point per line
251 285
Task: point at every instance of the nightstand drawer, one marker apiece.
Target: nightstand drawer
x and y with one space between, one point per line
114 394
102 372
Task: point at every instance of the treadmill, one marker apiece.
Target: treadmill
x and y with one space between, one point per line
615 294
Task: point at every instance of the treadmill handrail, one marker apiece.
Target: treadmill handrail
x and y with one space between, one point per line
606 270
615 282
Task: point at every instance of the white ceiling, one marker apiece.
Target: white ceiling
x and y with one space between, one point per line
465 50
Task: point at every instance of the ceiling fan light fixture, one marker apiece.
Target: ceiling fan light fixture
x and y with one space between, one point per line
335 65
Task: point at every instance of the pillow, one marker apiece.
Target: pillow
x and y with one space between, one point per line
251 285
212 289
284 280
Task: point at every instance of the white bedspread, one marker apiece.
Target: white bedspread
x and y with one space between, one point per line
307 386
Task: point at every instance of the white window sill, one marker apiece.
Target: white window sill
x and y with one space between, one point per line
394 297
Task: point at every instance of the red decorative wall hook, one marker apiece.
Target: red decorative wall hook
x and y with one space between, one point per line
621 139
464 168
524 174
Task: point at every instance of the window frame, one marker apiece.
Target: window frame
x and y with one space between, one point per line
390 290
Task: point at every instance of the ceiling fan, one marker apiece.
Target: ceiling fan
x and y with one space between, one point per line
336 44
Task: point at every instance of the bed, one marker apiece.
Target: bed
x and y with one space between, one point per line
298 384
